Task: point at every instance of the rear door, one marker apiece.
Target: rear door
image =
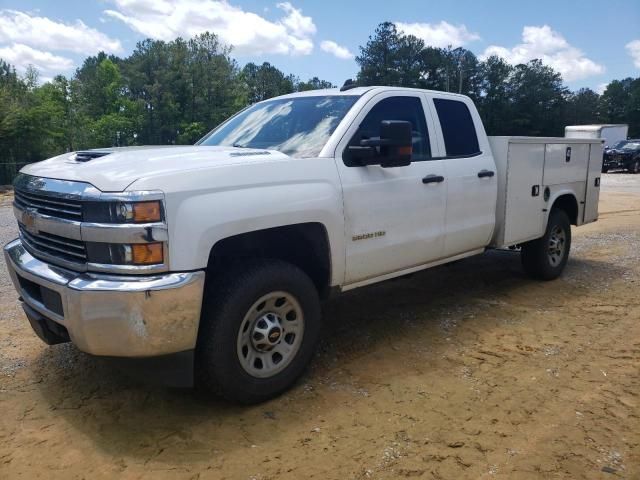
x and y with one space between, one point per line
472 183
394 217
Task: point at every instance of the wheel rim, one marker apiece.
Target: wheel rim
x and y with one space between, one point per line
270 334
636 167
557 245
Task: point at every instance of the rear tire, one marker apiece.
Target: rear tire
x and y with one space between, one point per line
259 329
546 257
635 168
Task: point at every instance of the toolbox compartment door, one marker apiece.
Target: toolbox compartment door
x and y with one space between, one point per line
592 196
565 163
524 216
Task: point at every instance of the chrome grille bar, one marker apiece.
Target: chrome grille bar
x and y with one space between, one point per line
68 209
53 245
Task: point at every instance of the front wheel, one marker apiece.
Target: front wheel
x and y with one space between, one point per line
635 167
546 257
259 329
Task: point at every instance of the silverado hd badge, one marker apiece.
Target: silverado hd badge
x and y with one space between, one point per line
366 236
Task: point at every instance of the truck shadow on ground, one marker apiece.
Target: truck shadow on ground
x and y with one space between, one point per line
129 418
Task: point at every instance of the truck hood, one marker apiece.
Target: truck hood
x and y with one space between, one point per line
114 169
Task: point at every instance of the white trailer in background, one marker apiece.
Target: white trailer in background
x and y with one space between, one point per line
610 133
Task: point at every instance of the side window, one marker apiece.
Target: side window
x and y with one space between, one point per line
458 130
398 108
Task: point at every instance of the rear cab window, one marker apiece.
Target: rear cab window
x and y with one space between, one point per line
458 129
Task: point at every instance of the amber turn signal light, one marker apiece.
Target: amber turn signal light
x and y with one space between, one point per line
406 150
146 253
147 212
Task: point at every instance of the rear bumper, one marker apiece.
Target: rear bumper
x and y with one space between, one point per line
110 315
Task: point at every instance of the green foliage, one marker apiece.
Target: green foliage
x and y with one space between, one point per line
265 81
174 92
313 84
525 99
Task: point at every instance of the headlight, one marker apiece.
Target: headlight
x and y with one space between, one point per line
123 212
125 254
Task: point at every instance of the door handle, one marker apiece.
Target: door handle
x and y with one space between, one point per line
433 179
486 173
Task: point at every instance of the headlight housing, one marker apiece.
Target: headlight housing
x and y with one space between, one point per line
147 211
126 233
136 254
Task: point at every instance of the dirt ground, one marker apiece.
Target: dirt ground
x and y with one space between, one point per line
469 371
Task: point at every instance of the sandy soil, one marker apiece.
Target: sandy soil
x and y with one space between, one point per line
464 371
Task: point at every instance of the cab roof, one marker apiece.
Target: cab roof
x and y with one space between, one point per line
359 91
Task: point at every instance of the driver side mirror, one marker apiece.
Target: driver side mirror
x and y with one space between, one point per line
393 148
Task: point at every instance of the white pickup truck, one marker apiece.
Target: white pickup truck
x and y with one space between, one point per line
213 259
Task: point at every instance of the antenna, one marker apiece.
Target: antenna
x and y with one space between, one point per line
348 85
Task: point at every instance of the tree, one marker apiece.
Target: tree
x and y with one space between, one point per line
378 59
265 81
620 103
174 92
583 107
313 84
537 101
493 101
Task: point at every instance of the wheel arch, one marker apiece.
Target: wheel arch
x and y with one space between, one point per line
305 245
567 202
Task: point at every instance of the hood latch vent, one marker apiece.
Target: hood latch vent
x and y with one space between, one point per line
86 156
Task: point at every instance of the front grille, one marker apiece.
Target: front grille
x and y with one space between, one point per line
54 206
45 243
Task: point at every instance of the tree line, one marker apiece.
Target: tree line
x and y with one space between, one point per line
174 92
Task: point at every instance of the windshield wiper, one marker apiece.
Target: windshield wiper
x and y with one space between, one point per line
238 145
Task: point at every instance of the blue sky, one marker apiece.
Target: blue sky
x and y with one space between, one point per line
589 42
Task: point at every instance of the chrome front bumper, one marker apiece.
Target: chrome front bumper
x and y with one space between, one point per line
113 315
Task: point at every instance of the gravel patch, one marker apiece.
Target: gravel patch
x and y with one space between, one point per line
8 232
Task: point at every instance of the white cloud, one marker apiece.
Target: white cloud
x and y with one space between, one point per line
550 47
337 50
440 34
634 50
247 32
41 32
601 87
21 56
298 24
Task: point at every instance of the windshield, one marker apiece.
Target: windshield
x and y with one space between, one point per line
296 126
627 145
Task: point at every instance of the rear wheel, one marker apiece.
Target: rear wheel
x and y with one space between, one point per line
546 257
259 329
635 167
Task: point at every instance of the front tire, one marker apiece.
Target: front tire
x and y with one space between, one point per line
546 257
259 329
635 167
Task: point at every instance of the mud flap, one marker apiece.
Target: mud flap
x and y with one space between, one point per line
173 370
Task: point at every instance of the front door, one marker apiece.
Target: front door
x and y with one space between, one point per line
394 217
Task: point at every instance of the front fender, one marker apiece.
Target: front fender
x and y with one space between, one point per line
208 206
